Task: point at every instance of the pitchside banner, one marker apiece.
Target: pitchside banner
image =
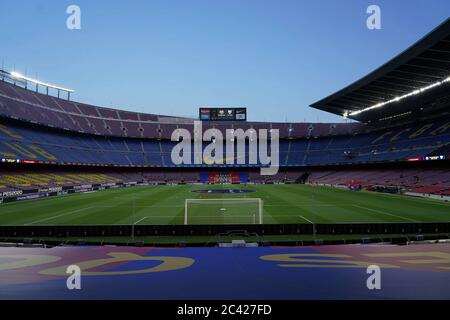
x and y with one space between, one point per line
20 195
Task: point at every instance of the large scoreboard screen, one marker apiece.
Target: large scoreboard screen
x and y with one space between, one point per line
223 114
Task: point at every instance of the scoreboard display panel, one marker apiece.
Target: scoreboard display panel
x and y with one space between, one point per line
223 114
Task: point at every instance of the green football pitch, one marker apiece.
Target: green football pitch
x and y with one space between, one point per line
165 205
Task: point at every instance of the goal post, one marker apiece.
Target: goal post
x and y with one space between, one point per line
223 211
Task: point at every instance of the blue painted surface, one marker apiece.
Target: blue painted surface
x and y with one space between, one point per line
331 272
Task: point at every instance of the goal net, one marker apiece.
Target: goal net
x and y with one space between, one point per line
223 211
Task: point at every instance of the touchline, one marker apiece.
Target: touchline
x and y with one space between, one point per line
258 142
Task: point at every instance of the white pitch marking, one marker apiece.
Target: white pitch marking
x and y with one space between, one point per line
382 212
141 220
302 205
60 215
306 219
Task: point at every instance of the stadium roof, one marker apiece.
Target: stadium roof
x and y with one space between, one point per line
423 66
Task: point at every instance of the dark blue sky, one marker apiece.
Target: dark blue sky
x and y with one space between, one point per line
173 56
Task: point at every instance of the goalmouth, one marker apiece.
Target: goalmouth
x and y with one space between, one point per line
223 211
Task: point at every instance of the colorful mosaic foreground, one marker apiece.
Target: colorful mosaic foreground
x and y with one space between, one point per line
328 272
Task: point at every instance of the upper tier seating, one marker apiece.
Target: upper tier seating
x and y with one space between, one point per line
20 103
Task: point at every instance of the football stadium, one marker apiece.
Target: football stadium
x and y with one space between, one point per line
75 175
72 170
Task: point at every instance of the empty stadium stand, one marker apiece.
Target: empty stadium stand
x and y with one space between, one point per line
435 181
426 180
24 141
31 180
19 103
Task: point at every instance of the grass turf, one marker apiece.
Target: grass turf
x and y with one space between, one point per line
163 205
